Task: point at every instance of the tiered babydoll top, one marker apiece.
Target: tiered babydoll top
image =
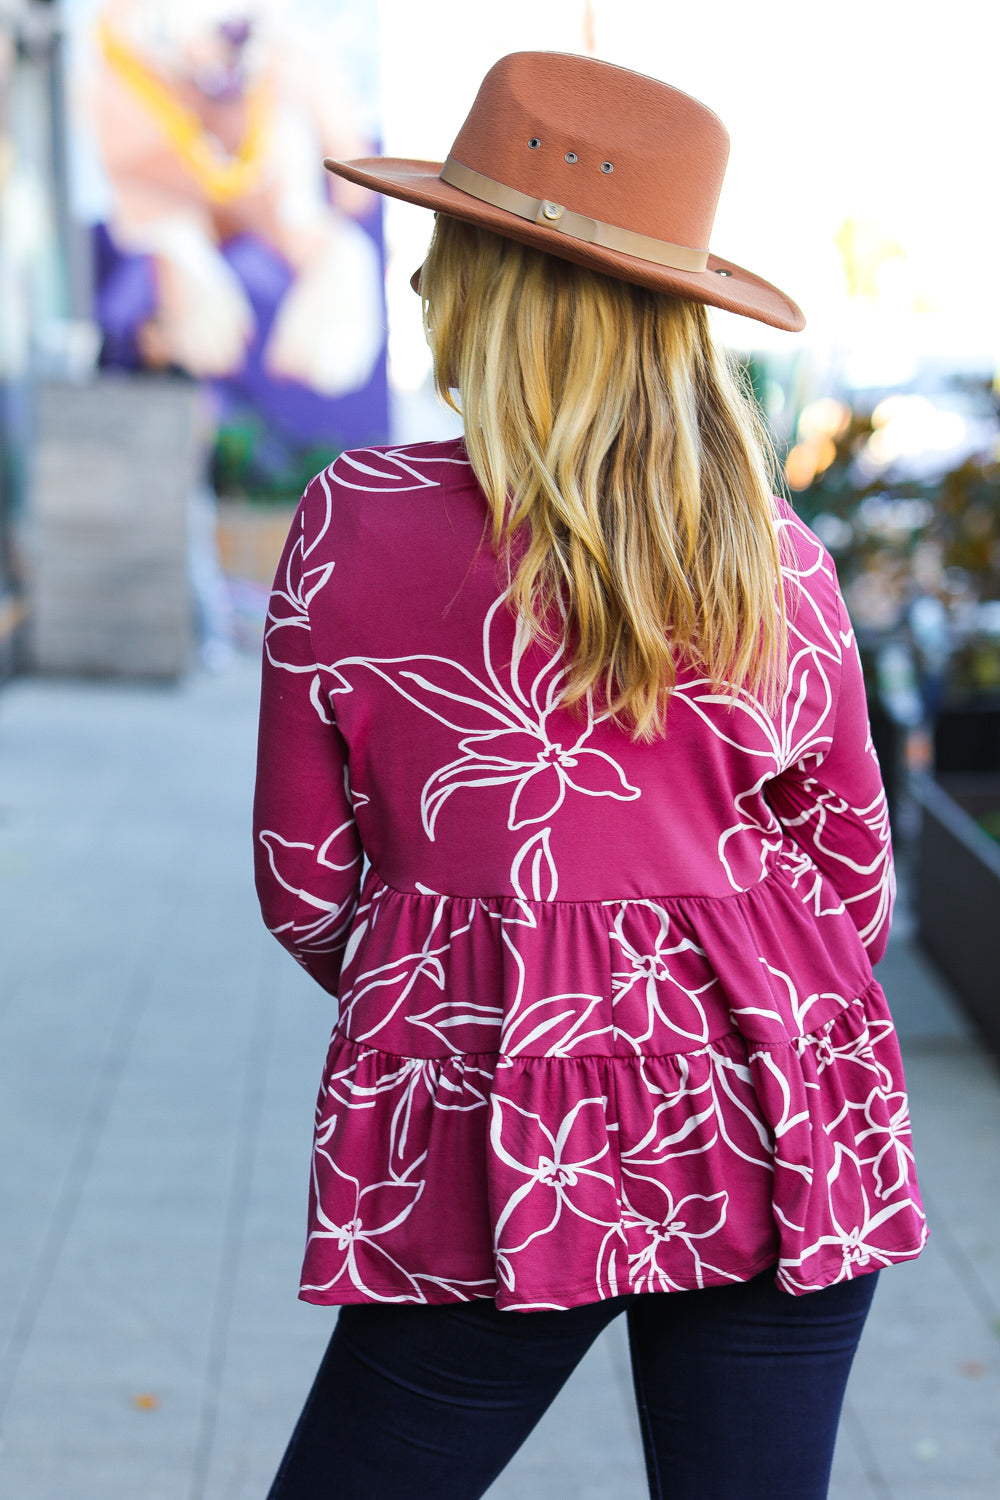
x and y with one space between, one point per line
606 1017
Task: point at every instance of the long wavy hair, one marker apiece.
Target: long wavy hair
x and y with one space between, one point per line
609 434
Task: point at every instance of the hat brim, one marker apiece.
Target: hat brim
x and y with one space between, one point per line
722 284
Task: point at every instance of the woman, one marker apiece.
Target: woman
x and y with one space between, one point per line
586 700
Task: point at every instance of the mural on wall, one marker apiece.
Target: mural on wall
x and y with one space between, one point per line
221 246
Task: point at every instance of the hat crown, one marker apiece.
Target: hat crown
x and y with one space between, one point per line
600 140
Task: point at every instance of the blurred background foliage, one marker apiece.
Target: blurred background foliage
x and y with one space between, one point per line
249 462
903 486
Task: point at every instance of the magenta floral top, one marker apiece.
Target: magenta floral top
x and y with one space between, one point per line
606 1019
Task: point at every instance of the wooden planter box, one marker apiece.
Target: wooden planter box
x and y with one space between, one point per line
958 891
251 537
968 738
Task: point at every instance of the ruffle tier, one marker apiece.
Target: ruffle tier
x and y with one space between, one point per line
654 1103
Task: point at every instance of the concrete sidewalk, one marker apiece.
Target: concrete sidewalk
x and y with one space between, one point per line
159 1056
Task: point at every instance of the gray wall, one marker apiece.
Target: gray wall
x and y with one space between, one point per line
106 544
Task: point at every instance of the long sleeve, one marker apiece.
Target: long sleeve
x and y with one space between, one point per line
834 806
307 853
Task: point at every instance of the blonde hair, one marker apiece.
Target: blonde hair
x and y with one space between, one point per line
603 425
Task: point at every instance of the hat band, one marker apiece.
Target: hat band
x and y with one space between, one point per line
551 215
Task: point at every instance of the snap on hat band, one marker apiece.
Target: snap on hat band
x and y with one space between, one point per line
577 226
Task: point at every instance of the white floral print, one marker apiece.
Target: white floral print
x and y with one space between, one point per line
606 1020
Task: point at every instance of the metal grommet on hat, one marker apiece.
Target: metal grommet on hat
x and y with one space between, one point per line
643 211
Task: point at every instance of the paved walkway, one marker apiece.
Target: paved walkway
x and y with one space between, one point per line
158 1061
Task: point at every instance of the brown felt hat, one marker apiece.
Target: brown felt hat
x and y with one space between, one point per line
595 164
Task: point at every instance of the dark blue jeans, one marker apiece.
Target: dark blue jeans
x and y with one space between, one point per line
738 1388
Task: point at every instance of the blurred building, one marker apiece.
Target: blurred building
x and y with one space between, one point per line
34 277
170 243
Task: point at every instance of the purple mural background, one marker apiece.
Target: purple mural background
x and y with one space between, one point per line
221 248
